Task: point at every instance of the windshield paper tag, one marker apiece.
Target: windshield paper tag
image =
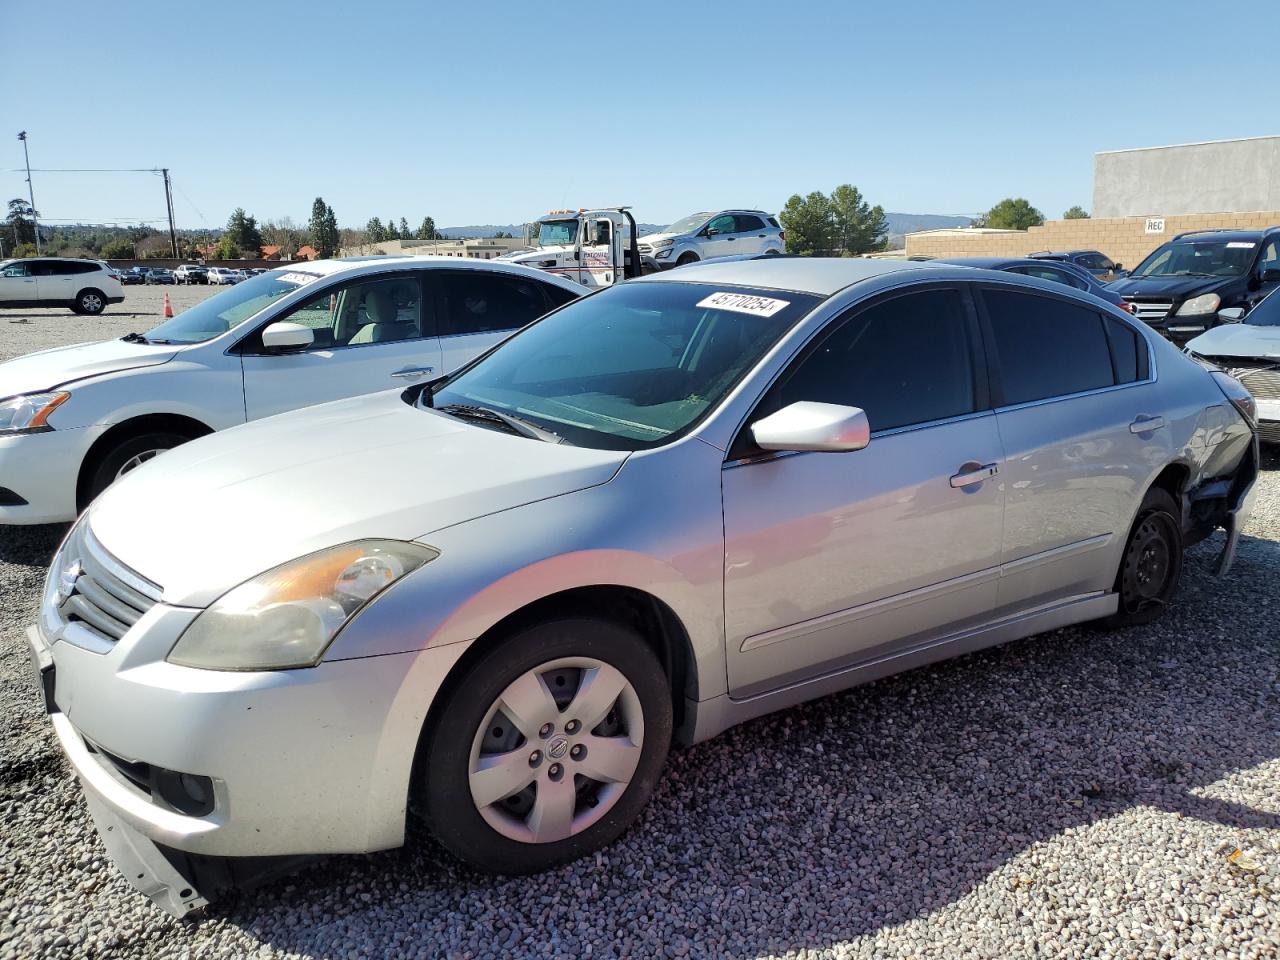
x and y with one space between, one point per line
744 303
298 278
1241 245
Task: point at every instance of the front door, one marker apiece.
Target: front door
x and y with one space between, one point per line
720 240
370 334
18 285
836 558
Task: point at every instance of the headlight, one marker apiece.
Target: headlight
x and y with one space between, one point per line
1197 306
288 616
28 414
665 243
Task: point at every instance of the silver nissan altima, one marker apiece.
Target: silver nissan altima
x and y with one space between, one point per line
494 601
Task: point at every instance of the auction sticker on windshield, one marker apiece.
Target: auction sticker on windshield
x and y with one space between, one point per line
298 278
744 303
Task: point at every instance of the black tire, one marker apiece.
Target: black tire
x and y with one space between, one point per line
90 302
687 258
1151 563
107 469
442 786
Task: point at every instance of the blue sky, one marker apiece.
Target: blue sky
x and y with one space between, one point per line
496 112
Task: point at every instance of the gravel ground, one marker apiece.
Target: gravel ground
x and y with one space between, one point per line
1078 794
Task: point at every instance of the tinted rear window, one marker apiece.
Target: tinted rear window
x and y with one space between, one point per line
1046 347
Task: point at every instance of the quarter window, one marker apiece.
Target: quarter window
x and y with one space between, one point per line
476 302
904 361
1128 351
1047 348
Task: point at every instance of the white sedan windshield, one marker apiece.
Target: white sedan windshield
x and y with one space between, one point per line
227 310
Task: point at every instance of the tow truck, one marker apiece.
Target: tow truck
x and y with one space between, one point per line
595 246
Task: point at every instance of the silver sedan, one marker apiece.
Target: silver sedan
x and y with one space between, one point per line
495 600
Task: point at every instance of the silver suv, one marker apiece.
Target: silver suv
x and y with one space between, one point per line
703 236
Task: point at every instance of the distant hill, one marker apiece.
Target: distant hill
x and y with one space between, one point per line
900 224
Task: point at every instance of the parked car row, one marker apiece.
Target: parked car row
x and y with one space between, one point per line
578 529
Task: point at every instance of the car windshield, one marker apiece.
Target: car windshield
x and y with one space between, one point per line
1265 314
227 310
692 222
1210 258
631 367
557 232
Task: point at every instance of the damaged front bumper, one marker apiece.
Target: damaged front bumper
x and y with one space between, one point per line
1240 499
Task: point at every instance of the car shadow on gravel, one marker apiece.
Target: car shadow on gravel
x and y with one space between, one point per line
855 813
31 546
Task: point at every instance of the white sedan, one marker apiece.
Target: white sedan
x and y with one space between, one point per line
74 419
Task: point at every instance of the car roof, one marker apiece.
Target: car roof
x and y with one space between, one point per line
822 276
343 265
1192 236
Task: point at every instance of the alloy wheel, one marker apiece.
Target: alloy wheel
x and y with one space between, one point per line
137 460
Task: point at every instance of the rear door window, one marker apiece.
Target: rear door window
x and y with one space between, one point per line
480 302
1046 347
746 223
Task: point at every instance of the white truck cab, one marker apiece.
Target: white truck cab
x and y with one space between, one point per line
595 247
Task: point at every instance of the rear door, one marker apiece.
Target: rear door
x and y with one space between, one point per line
478 308
836 558
371 334
749 233
1079 416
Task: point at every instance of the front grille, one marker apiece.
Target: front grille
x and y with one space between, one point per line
646 248
107 598
1150 311
1269 432
1260 378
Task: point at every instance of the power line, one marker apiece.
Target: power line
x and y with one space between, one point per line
86 170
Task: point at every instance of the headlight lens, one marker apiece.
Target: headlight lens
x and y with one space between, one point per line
27 414
665 243
1197 306
288 616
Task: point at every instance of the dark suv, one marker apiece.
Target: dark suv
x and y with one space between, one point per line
1096 262
1181 285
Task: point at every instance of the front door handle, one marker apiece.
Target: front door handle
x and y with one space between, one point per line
411 373
1145 424
974 472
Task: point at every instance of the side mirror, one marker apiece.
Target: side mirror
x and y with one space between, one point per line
1231 314
712 232
287 336
809 425
1270 275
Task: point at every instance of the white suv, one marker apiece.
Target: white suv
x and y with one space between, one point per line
704 236
86 286
73 420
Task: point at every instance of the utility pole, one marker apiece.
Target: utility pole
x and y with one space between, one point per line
168 202
30 190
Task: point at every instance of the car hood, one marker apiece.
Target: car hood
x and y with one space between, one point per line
63 365
655 237
1173 288
213 513
1238 340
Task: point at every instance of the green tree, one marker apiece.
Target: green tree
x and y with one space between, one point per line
121 248
857 227
404 230
330 234
428 230
227 248
392 233
322 229
244 232
375 230
1013 214
22 222
807 222
1076 213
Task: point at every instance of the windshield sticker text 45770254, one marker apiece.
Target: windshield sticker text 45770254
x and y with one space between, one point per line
744 303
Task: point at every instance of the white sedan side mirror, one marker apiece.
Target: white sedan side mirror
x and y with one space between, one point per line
287 336
809 425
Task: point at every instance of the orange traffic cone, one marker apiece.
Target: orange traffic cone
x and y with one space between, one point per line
168 307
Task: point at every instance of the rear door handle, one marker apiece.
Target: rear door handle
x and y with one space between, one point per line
974 472
1145 424
409 373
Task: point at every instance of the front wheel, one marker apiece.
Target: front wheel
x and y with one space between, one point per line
1151 563
127 457
547 747
686 259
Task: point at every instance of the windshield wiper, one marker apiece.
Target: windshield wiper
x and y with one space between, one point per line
516 425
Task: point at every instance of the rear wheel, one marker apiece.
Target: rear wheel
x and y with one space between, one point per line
547 747
91 302
1151 563
127 456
